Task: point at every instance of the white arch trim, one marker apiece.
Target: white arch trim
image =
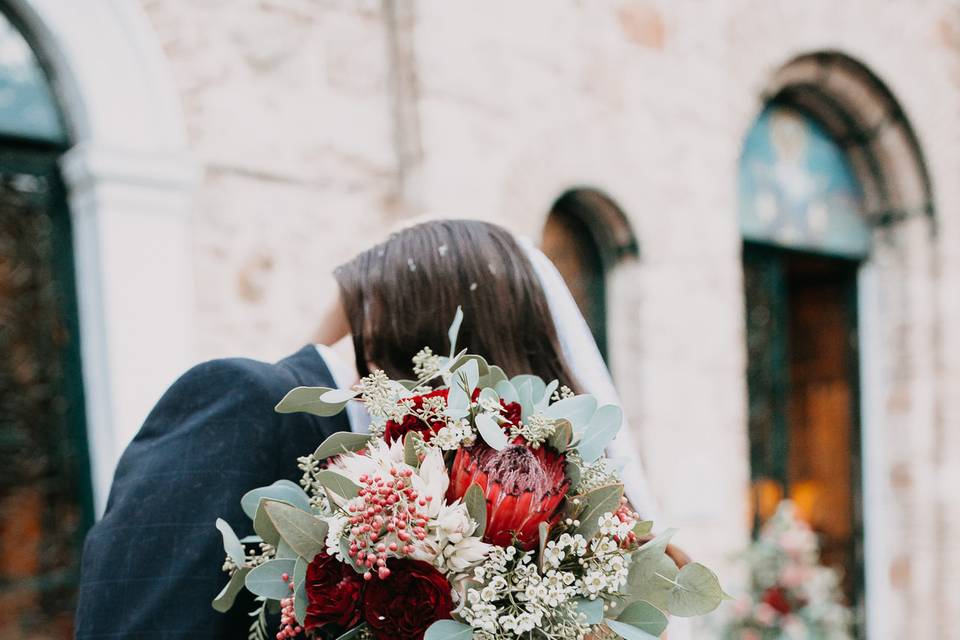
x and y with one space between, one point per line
129 176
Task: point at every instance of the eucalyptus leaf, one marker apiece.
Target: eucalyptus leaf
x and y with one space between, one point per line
448 630
469 373
454 330
264 526
573 473
605 499
644 616
507 392
651 573
642 528
303 532
628 632
231 544
543 534
458 402
562 435
491 432
338 396
300 571
284 550
267 581
476 504
276 491
593 609
300 601
341 442
489 395
600 432
340 485
410 455
525 392
228 594
494 375
542 403
578 410
696 591
537 385
307 399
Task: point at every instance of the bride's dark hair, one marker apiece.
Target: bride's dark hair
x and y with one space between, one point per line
402 294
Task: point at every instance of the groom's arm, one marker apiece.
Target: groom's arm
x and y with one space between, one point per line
151 566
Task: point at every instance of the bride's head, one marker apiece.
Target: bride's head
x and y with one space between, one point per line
402 294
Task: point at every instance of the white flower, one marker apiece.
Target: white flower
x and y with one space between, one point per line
336 525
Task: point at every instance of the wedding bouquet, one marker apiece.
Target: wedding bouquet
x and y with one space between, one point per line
793 596
477 507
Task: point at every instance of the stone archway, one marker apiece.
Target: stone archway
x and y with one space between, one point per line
129 175
898 333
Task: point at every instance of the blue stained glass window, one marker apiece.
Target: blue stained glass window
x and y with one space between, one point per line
797 189
27 105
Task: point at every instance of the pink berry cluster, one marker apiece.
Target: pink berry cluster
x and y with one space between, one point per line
626 514
385 518
289 627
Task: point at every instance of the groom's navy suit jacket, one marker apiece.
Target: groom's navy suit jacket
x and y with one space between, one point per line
152 565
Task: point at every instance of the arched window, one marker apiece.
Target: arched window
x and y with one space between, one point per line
586 235
45 496
816 186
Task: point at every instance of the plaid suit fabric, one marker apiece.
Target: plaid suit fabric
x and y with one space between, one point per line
152 565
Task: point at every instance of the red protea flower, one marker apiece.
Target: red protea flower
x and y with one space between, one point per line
523 487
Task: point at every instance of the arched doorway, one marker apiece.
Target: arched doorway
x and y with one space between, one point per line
46 502
586 235
830 172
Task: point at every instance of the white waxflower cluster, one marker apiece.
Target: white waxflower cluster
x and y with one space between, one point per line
599 566
535 430
457 433
518 599
426 363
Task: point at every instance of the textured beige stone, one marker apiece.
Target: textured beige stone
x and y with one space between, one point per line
320 124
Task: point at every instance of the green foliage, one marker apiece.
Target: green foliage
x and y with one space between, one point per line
410 445
593 609
645 617
600 432
267 581
448 630
311 400
578 410
264 526
491 432
695 592
562 435
454 330
628 631
340 485
231 544
476 505
594 504
228 594
302 531
280 490
341 442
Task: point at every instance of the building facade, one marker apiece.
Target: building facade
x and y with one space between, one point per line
698 170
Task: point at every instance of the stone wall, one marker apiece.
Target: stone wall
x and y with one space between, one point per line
321 123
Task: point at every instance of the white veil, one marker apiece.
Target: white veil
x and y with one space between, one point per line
585 360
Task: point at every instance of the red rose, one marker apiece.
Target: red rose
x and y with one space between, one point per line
333 593
397 430
402 607
776 598
511 412
523 488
